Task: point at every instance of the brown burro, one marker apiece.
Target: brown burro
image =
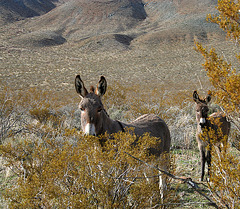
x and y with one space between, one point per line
216 123
96 121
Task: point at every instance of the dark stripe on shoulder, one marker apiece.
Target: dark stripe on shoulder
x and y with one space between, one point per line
121 125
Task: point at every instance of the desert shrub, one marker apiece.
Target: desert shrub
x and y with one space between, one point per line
42 113
80 173
116 96
41 105
182 124
12 121
224 175
20 111
222 74
70 116
55 166
133 101
225 178
225 80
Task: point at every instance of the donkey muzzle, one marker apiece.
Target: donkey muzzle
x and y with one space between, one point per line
202 122
89 129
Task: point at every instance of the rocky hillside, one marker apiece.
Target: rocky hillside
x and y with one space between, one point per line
125 40
110 23
13 10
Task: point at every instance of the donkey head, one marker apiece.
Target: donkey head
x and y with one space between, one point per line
201 108
91 105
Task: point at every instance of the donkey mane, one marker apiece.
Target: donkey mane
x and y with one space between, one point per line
92 89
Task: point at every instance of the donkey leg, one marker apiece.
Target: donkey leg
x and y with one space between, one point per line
162 185
203 161
165 165
209 161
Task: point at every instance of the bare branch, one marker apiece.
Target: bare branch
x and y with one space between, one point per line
188 181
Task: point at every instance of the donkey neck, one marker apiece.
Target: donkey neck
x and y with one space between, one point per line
109 125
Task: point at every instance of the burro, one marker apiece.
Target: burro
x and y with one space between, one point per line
96 121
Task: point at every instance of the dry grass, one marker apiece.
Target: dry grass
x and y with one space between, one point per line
55 68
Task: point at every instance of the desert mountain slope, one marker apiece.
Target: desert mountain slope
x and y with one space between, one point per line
13 10
177 20
101 21
126 40
79 19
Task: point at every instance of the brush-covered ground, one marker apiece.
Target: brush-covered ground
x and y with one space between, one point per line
38 126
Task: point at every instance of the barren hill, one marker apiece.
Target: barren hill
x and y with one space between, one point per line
13 10
126 40
131 21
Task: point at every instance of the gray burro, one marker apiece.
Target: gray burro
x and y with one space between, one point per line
216 123
96 121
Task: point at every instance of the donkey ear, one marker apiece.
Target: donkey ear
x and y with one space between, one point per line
80 88
101 87
196 97
208 98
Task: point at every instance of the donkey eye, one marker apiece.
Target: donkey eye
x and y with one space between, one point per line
82 108
99 109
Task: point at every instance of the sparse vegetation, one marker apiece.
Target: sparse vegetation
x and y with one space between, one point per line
50 143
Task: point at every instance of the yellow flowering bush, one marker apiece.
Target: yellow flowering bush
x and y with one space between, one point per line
224 182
